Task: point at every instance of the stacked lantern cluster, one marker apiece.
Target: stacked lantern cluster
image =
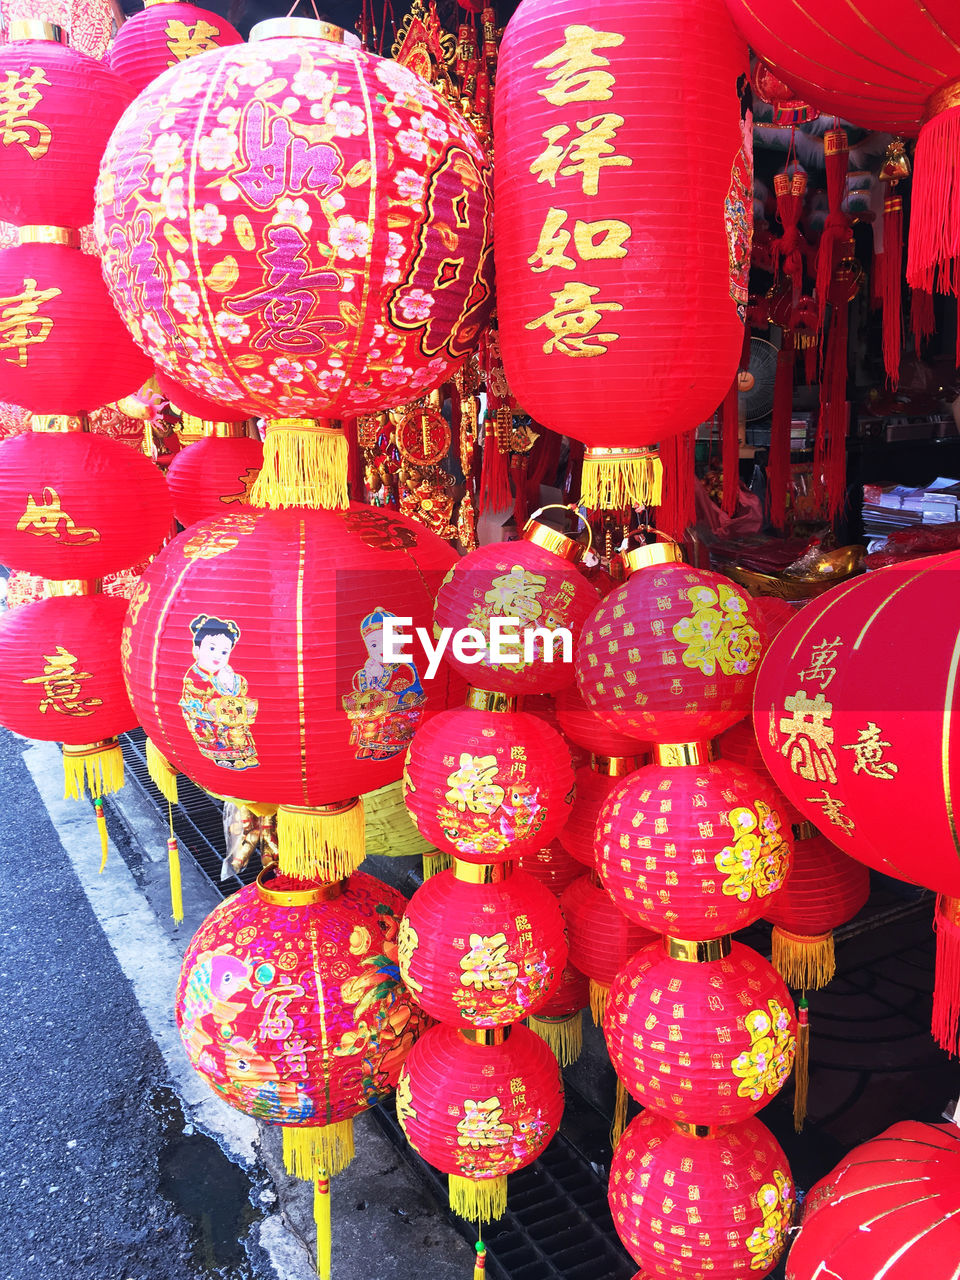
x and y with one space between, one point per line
700 1030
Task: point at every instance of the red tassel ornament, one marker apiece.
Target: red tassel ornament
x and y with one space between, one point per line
837 228
888 271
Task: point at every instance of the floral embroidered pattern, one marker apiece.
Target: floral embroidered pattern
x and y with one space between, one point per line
764 1067
776 1201
758 860
718 632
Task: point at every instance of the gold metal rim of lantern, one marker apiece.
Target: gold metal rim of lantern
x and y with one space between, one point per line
553 540
697 952
302 28
78 751
39 233
694 1130
650 553
55 587
326 892
485 1035
615 766
35 29
674 755
804 830
59 422
488 700
482 872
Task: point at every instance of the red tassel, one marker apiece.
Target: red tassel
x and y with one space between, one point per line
787 250
946 989
354 460
923 323
935 203
778 464
676 511
888 270
730 456
830 455
495 492
836 156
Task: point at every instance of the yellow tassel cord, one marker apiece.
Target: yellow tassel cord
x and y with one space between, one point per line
173 868
616 478
97 769
563 1035
480 1266
309 1150
804 963
598 1001
104 835
435 862
304 465
478 1200
320 844
162 773
619 1114
801 1077
321 1216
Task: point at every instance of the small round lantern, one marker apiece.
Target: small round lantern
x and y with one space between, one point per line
560 1020
583 726
600 938
704 1033
482 946
165 33
479 1105
595 781
214 475
552 866
691 1200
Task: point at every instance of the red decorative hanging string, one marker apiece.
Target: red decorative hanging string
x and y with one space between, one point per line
837 227
830 461
677 503
923 324
730 427
778 463
788 249
495 493
888 268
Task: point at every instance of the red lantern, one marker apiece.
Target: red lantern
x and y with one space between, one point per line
705 1033
59 109
582 725
559 1021
552 866
534 587
164 35
76 505
608 334
213 476
670 655
482 952
694 850
255 657
479 1105
69 351
774 615
904 1184
595 781
686 1202
488 786
196 406
600 938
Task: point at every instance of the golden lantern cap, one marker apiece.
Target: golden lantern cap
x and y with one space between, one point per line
308 896
490 700
553 540
481 872
485 1035
697 952
615 766
694 1130
35 29
676 755
667 551
302 29
37 233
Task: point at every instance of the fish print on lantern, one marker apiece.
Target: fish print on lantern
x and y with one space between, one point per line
386 704
214 701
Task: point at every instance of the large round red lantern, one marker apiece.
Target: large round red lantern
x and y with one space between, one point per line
600 938
552 866
583 726
705 1033
607 334
65 349
595 781
256 659
193 405
488 785
77 505
213 475
671 655
479 1105
687 1201
59 109
163 35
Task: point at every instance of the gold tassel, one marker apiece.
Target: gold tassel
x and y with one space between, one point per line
619 1114
805 963
162 773
96 767
801 1076
478 1199
304 465
321 1216
104 835
310 1149
598 1001
563 1035
435 862
176 885
480 1266
322 843
616 478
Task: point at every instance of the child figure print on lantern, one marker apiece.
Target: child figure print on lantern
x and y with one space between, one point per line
214 701
386 703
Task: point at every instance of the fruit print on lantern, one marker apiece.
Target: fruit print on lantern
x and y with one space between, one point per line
214 702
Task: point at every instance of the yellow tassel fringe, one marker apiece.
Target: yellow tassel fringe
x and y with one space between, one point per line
304 465
478 1200
97 769
480 1266
804 963
103 833
801 1067
176 884
619 1114
563 1035
321 1216
162 773
317 844
616 478
435 862
598 1001
310 1150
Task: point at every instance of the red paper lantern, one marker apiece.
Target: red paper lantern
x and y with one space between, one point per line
693 850
718 1204
533 583
600 938
76 505
552 866
581 724
704 1034
337 216
482 953
595 781
65 349
212 476
559 1021
774 614
905 1184
670 655
59 109
488 786
608 334
479 1110
164 35
196 406
305 713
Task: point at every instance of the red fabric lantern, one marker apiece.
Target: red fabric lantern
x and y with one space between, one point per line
552 866
212 476
706 1036
164 35
65 349
559 1021
600 938
607 334
670 656
595 781
487 786
254 656
695 851
75 505
774 614
478 1111
717 1205
905 1184
481 954
534 582
194 405
59 109
582 725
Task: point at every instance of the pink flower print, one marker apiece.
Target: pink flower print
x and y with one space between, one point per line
184 299
258 385
350 238
412 143
230 327
294 213
416 305
346 120
166 151
434 128
287 370
209 224
218 150
410 186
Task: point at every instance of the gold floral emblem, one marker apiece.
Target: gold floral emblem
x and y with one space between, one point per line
757 861
763 1068
775 1200
718 633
